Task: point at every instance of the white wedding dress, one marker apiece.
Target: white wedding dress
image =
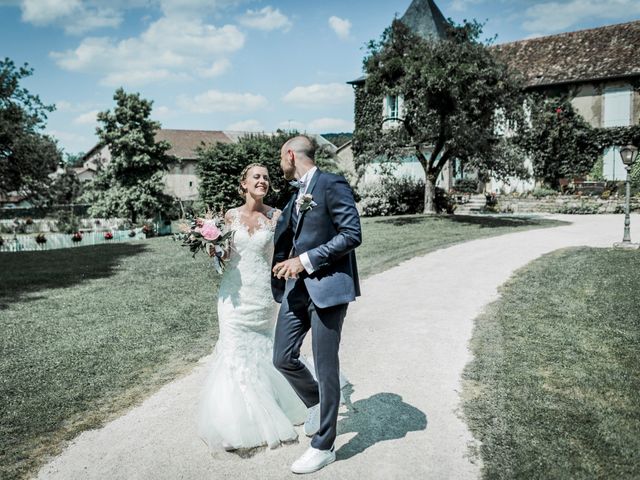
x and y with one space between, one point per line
245 401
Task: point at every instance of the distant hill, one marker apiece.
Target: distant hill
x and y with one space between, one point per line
338 139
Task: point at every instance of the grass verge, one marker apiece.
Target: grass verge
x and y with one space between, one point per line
89 331
553 391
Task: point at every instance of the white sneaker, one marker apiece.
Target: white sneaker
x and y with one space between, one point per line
312 423
313 460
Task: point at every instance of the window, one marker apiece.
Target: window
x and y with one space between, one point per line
393 107
617 104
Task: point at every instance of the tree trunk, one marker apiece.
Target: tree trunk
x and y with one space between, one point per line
429 195
134 216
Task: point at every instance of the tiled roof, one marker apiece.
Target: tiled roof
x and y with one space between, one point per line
185 142
594 54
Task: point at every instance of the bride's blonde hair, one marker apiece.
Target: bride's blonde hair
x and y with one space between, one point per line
243 176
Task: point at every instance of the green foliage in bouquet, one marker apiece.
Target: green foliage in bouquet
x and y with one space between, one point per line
206 235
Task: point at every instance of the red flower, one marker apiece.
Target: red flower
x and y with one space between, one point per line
108 235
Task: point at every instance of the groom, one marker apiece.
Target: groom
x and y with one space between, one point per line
315 278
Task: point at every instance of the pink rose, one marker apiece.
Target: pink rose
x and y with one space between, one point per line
210 231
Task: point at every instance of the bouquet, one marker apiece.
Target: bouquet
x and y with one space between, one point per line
206 235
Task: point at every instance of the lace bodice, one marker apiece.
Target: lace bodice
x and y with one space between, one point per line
252 247
247 276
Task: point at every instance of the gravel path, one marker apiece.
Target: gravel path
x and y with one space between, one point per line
404 347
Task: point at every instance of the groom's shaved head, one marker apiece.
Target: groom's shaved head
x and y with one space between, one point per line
301 146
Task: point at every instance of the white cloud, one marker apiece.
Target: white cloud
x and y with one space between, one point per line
320 95
219 67
246 126
63 106
552 17
162 111
88 118
462 5
74 16
216 101
330 125
71 141
266 19
43 12
166 50
341 26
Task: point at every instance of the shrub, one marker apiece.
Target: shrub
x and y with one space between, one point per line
76 237
392 196
542 192
444 202
66 222
578 209
41 239
466 185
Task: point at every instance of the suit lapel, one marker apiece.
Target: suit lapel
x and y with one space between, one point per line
312 185
285 218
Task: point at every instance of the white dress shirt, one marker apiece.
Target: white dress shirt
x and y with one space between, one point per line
305 179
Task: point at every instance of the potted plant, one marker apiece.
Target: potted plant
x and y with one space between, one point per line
41 239
147 230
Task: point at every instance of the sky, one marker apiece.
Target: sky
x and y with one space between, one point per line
255 65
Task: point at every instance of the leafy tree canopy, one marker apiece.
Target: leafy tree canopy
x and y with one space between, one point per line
132 183
220 166
458 100
27 156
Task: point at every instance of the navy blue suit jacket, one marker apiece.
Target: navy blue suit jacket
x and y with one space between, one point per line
329 232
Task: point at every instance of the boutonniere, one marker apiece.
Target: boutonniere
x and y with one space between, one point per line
305 202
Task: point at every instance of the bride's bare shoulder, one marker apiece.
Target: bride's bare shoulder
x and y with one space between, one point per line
230 215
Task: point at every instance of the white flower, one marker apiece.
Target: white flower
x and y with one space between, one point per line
305 202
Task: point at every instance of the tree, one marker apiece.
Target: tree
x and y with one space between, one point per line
457 101
27 156
560 142
131 184
220 166
65 188
74 159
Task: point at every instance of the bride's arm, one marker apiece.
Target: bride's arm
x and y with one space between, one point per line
228 220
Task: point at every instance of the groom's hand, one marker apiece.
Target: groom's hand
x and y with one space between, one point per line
288 269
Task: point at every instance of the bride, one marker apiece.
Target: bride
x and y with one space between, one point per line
245 401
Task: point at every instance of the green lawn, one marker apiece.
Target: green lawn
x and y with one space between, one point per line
554 388
90 331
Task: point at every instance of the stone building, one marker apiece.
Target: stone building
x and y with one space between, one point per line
599 69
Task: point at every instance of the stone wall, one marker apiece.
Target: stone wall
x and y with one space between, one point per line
563 204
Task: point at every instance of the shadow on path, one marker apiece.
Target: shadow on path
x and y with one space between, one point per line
24 273
483 221
383 416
